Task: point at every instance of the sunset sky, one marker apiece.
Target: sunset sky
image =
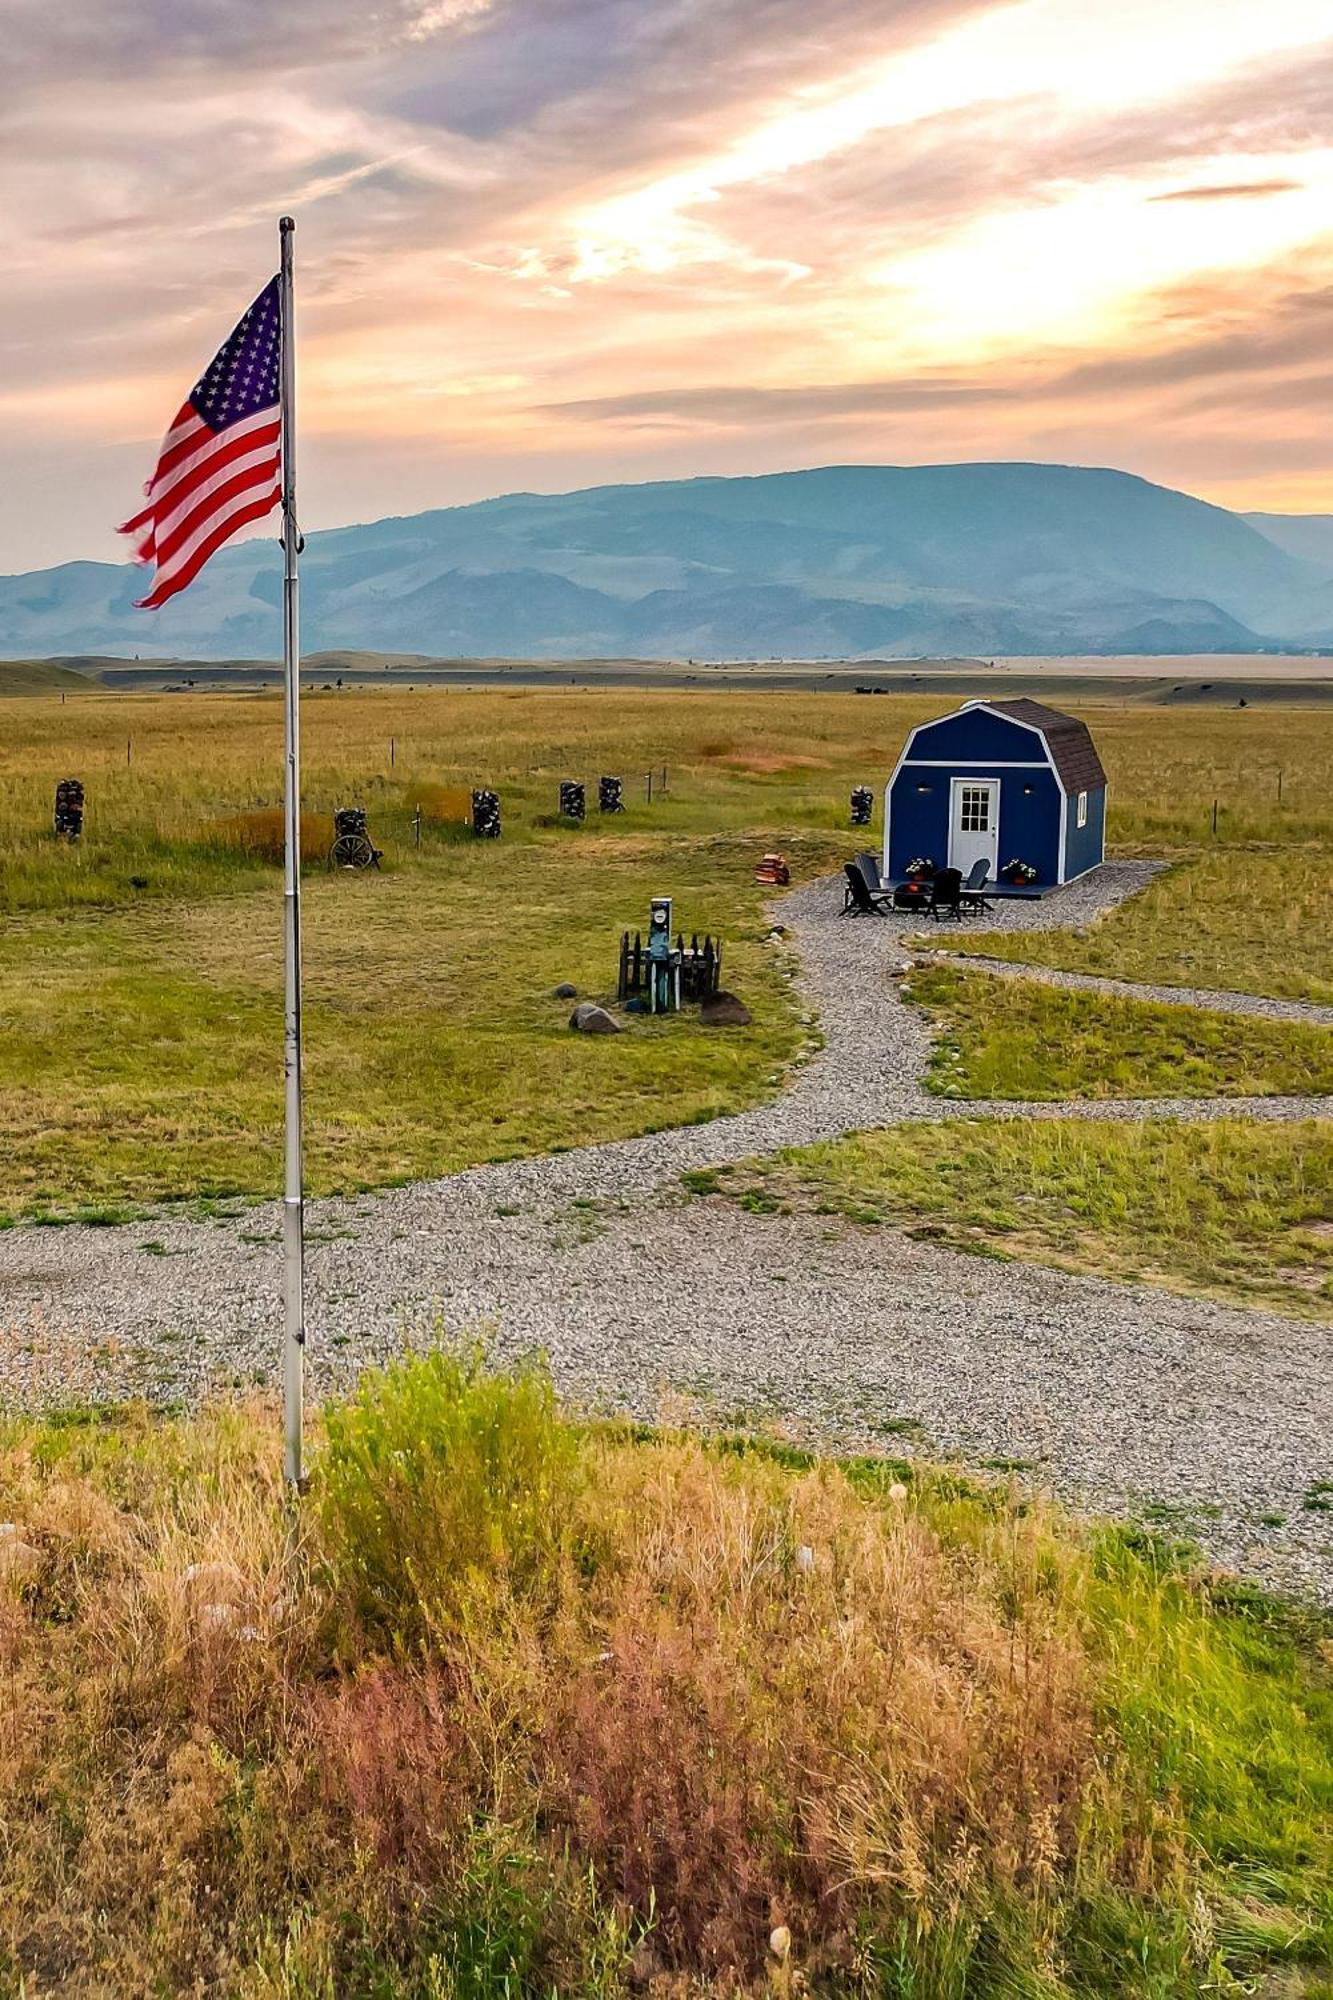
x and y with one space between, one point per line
545 243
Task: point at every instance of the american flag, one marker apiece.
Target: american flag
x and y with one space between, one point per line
219 463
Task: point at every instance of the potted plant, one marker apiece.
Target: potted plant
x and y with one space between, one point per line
921 869
1020 873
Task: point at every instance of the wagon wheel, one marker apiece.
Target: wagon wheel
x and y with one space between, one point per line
352 850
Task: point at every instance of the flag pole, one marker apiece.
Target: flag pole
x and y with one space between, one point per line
293 1189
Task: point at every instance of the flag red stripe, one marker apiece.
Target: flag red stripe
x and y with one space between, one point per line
187 525
167 584
206 477
203 449
172 454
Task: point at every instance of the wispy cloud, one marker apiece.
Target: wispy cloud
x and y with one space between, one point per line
1228 191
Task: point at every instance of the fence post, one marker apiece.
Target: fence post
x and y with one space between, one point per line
650 787
416 826
393 752
129 752
1214 819
1279 787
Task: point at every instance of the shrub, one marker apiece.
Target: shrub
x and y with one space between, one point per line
438 1474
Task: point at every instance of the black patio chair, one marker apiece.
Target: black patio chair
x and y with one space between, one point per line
869 867
972 894
858 898
946 895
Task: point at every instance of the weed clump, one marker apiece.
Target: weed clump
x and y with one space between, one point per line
442 1479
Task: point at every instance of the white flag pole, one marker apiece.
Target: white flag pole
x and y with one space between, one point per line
293 1190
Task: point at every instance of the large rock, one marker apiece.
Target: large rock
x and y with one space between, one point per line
566 992
591 1020
724 1010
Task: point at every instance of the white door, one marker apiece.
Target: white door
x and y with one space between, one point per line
974 823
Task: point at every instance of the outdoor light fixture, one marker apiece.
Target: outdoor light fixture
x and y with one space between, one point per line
923 788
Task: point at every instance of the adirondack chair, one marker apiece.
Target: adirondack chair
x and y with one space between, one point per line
946 895
972 894
858 899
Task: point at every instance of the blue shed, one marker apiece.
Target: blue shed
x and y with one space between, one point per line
1002 781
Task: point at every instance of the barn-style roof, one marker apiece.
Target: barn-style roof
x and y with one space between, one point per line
1072 749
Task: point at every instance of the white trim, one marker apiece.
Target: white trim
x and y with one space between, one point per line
989 763
1081 809
1064 827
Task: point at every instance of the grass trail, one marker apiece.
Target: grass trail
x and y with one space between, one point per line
1234 1211
1021 1039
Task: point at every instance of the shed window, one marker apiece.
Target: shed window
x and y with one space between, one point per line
974 809
1082 809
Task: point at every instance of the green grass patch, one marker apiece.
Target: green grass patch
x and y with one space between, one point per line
1237 920
1231 1210
1015 1038
142 1052
515 1707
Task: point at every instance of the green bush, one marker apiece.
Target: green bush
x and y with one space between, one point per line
439 1473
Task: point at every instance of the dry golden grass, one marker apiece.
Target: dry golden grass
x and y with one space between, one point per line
945 1741
261 834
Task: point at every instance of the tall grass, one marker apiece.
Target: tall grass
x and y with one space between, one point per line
700 1700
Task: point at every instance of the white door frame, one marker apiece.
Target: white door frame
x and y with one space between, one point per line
993 785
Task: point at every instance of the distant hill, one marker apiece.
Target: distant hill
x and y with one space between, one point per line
844 561
43 677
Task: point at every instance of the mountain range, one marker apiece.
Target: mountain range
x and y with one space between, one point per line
836 562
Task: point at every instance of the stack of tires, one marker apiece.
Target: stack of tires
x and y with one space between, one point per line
863 805
573 800
609 798
69 809
486 815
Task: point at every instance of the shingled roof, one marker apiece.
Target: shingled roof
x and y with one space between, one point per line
1072 749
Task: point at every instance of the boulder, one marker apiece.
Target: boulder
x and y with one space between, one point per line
724 1010
19 1560
565 991
591 1020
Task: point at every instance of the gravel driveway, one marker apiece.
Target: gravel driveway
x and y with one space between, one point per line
1217 1420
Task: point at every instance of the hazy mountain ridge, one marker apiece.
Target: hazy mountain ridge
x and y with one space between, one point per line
840 561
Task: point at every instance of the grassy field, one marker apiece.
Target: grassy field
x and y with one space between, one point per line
1237 1211
140 971
1016 1038
515 1708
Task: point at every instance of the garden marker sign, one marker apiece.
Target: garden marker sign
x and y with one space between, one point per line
227 459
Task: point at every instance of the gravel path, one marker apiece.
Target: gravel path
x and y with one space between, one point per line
1119 1396
1132 989
1212 1419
